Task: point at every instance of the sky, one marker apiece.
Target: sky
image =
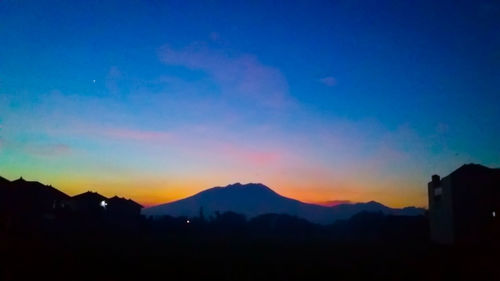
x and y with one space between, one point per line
319 100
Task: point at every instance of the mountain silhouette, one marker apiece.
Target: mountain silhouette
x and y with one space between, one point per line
256 199
334 203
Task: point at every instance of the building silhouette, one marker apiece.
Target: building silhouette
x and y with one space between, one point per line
89 202
93 203
29 198
464 206
123 208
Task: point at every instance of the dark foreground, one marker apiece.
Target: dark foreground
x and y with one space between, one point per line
367 247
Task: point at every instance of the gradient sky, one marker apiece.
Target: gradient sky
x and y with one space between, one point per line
320 100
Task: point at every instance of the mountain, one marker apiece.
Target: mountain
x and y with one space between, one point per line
255 199
333 203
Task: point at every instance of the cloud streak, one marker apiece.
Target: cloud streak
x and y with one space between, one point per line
48 150
329 81
112 133
239 76
138 135
254 157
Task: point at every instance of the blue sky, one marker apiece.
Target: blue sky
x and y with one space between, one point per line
321 100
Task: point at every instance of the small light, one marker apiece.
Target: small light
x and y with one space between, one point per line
187 221
494 214
103 204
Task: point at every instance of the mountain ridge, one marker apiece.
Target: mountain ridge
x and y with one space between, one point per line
255 199
251 200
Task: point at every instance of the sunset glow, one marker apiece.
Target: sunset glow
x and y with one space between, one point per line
299 97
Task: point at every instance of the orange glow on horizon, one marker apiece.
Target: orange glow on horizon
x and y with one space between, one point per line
149 192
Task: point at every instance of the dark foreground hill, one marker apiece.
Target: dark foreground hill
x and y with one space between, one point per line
257 199
231 246
369 246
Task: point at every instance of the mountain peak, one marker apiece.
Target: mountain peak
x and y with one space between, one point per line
374 204
246 185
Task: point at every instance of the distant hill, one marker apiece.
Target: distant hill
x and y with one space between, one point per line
334 203
256 199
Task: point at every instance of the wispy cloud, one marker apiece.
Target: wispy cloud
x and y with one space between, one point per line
238 76
254 157
108 132
130 134
117 133
47 150
329 81
112 81
214 36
